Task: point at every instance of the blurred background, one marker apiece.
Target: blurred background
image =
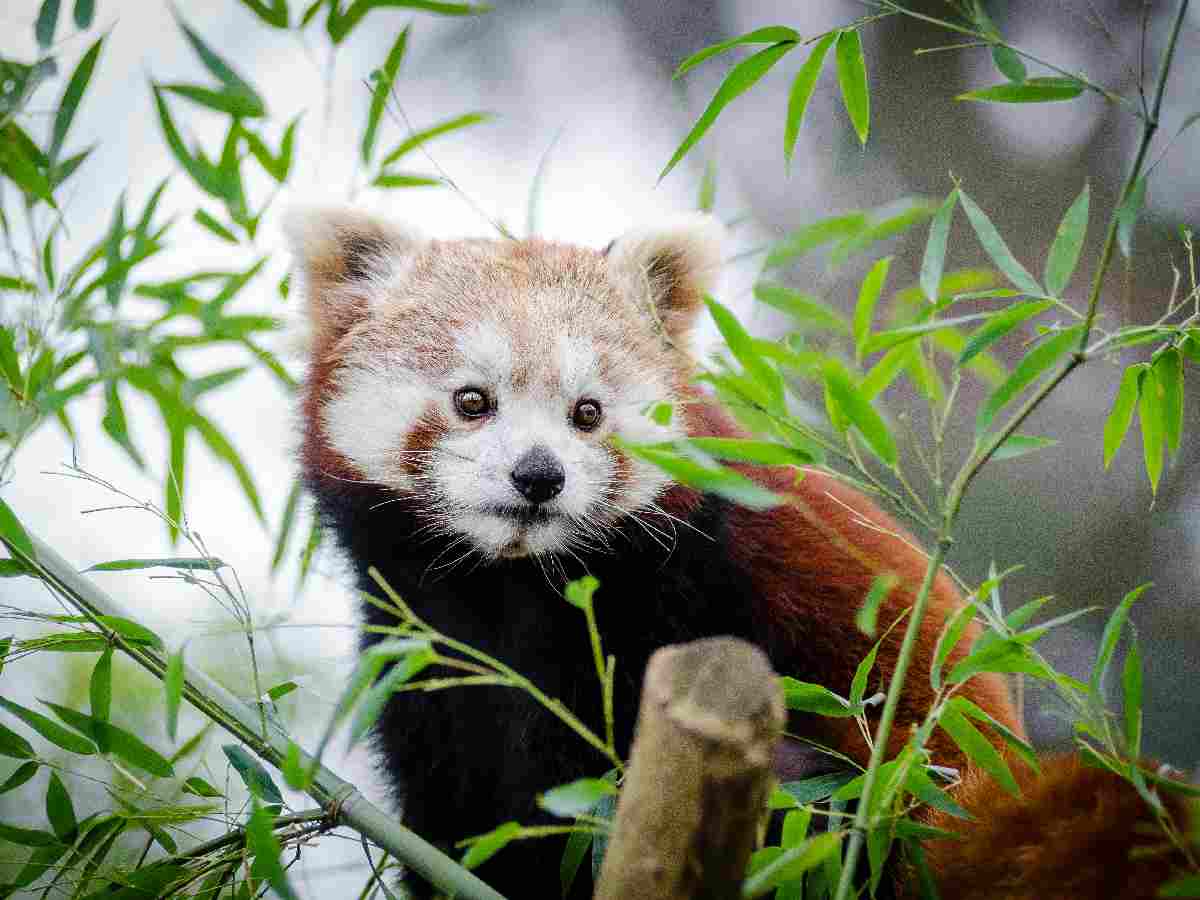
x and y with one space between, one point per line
584 91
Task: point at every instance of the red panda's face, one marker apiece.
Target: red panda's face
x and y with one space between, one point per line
484 380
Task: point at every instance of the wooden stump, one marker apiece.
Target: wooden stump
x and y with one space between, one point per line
698 776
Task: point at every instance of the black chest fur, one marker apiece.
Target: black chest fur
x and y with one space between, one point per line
466 759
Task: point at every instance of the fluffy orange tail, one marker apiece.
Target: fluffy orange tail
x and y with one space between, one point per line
1075 832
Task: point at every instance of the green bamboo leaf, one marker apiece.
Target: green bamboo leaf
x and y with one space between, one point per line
488 845
803 307
221 70
22 162
24 773
372 706
805 697
1006 655
173 688
1183 886
576 798
100 692
384 79
948 639
1032 90
721 482
773 34
921 786
84 12
767 453
206 176
793 863
1152 418
1108 640
50 730
230 102
47 22
1168 371
290 510
868 296
894 337
1000 324
1068 242
400 180
1127 215
123 744
1116 426
743 76
1131 689
253 775
1022 747
860 413
884 372
72 94
852 76
200 788
801 93
995 247
741 345
418 138
1009 63
815 789
934 261
275 15
1021 444
27 837
14 745
264 847
977 748
1031 367
166 562
59 809
13 534
816 234
882 230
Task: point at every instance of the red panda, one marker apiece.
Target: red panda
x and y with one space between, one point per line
457 418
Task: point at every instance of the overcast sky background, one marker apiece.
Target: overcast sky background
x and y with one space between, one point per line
588 84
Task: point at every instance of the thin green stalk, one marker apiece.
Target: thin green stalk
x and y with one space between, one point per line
341 800
883 731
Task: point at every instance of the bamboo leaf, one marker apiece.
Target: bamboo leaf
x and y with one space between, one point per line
805 697
418 138
384 79
1116 426
59 809
253 775
221 70
852 76
948 639
868 614
767 453
12 532
934 261
72 94
1000 324
1131 689
1033 90
741 345
995 247
1127 215
1168 371
576 798
1022 747
14 745
27 837
805 308
122 744
894 337
809 237
1021 444
50 730
24 773
773 34
84 11
860 413
722 482
1034 364
230 102
1152 418
793 863
801 93
173 689
977 748
742 77
167 562
100 693
47 22
868 296
1009 63
1068 242
264 846
488 845
1108 640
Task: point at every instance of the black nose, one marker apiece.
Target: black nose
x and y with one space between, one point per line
538 475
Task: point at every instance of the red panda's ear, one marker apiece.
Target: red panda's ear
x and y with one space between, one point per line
342 257
669 268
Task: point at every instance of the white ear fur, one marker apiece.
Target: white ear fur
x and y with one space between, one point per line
669 267
341 256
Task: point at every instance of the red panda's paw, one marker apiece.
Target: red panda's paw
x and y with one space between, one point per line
1075 832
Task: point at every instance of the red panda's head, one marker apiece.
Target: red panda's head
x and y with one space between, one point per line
483 379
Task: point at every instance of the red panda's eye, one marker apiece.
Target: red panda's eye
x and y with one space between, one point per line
472 403
586 415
